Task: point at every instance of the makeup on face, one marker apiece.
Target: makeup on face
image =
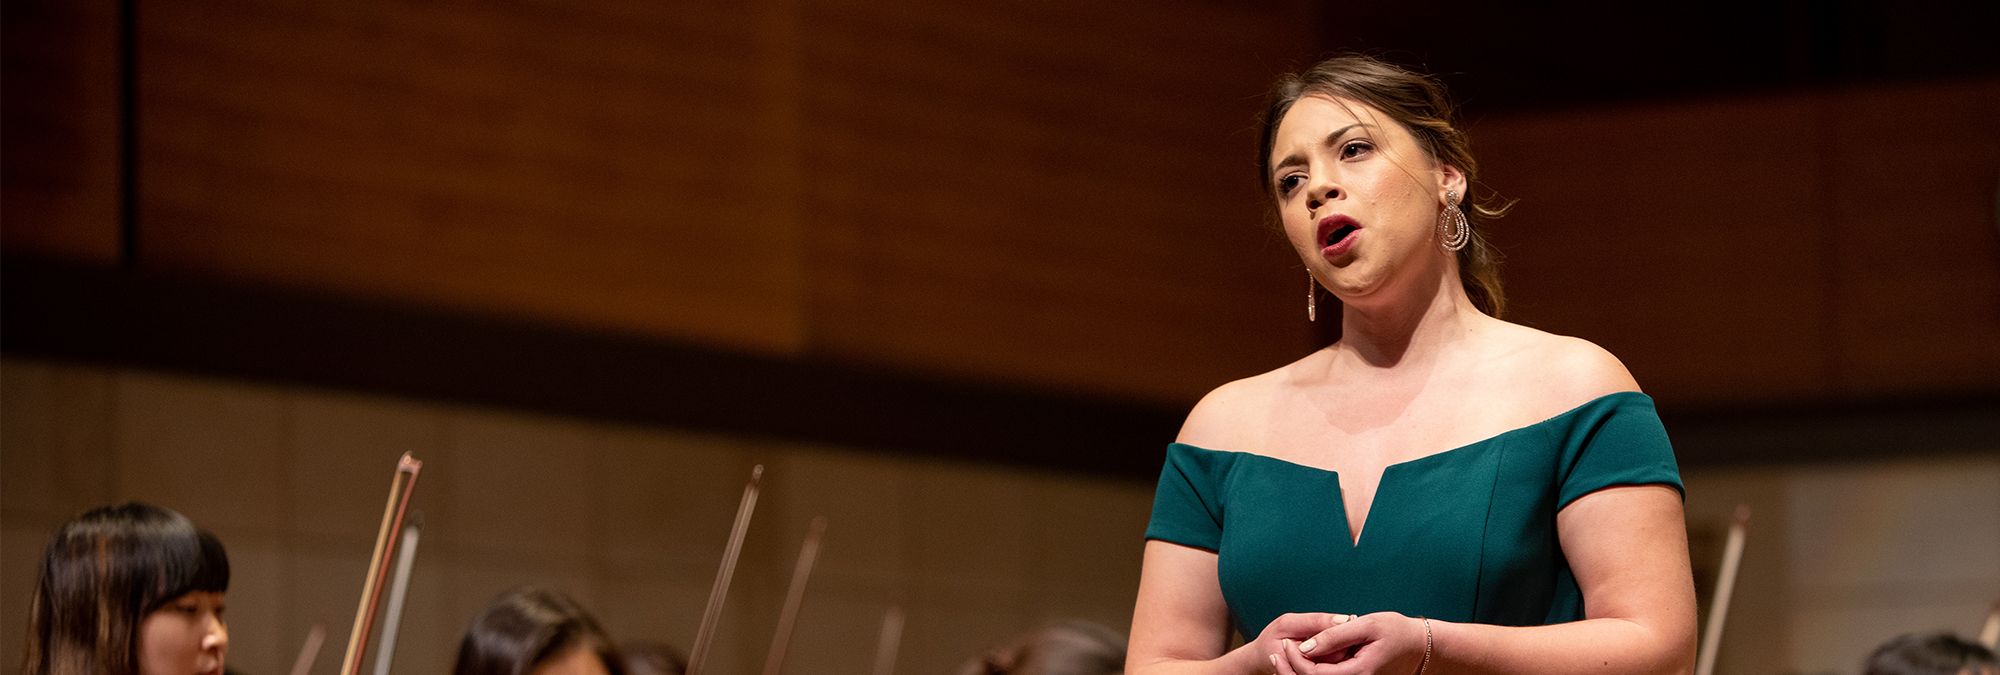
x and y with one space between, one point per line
185 636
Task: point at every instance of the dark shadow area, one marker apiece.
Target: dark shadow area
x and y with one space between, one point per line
128 319
1524 56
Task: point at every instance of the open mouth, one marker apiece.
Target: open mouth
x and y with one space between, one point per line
1340 233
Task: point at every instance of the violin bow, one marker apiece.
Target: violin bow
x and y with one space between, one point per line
400 485
710 615
891 642
309 652
795 594
1725 585
392 617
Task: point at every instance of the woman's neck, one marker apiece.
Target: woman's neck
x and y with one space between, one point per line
1408 328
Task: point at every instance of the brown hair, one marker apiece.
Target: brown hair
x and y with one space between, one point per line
102 573
1419 103
1070 647
526 626
1930 654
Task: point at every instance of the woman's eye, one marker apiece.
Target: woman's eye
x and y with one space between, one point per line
1355 149
1289 183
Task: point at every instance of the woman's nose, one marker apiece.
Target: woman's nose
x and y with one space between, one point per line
1320 192
217 637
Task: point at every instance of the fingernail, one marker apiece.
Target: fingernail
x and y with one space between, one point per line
1274 660
1307 646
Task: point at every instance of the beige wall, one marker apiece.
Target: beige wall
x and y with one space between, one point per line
1842 557
631 521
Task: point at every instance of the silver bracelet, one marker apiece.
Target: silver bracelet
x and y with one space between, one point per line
1426 663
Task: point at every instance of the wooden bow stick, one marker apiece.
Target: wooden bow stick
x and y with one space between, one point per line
795 594
891 642
400 485
1725 585
309 652
392 621
710 615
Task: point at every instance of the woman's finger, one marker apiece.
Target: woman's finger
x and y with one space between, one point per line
1304 624
1280 666
1299 663
1338 644
1324 646
1366 661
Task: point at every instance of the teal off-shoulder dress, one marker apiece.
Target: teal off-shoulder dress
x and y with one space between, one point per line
1468 534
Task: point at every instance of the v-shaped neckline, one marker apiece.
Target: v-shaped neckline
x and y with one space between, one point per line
1353 536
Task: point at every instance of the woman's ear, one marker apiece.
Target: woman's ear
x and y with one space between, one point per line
1450 179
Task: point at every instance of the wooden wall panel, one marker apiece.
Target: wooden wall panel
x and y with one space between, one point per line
1052 195
599 165
1840 244
1688 239
1913 185
61 136
1061 195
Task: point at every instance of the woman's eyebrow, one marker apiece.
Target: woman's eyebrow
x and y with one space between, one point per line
1332 138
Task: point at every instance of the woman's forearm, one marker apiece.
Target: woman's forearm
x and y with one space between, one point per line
1239 661
1606 645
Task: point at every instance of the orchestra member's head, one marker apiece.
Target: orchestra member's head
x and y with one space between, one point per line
1063 648
651 658
132 589
535 631
1931 654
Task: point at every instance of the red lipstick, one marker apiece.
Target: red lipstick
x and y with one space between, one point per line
1337 234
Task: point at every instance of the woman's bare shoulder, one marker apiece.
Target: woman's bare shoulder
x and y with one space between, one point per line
1569 370
1226 417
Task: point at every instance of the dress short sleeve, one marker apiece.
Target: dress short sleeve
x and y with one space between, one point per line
1188 505
1618 440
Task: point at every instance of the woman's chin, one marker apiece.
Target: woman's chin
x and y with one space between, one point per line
1352 289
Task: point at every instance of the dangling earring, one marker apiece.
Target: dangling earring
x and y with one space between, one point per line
1452 229
1312 297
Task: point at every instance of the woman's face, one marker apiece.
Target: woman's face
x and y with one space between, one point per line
186 636
1358 196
